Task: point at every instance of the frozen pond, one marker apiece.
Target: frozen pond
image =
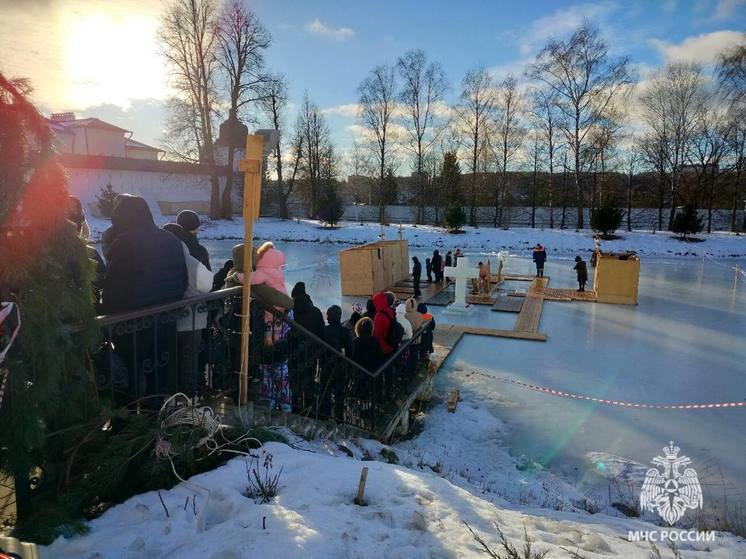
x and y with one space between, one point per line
684 343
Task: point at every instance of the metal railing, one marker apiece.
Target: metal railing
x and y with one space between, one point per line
194 346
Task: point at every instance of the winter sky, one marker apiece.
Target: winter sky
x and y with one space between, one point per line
101 58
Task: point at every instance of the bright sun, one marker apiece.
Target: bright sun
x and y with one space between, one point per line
112 59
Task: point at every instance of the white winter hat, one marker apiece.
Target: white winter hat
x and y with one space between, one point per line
401 309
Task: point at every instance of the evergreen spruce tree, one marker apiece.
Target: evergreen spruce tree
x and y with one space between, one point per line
687 223
606 220
454 216
332 205
106 200
46 271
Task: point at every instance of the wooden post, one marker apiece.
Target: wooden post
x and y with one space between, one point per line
251 165
360 498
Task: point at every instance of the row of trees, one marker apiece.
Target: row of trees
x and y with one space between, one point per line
573 126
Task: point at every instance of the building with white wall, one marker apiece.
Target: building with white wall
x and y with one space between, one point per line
96 153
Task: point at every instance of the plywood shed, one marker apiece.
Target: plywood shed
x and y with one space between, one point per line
371 268
617 278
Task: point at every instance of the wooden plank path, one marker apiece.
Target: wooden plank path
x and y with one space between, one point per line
504 303
530 315
405 289
556 294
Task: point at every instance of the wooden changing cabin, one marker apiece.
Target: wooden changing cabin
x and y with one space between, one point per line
617 278
371 268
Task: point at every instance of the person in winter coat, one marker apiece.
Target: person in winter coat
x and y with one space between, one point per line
448 260
382 322
429 270
414 317
267 294
426 346
416 275
456 255
303 364
218 280
582 271
370 309
540 257
76 215
333 381
357 314
146 264
437 263
401 318
268 270
366 351
306 314
188 222
190 328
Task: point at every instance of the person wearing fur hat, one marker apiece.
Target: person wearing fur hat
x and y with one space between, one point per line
401 318
414 318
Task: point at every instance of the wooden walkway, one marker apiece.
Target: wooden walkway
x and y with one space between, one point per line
530 315
405 289
552 294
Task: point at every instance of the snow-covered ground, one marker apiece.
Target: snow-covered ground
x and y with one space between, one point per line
408 514
519 240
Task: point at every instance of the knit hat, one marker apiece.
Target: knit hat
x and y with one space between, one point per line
188 219
357 308
578 259
401 309
334 314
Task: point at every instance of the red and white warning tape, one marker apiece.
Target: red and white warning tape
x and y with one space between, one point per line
605 401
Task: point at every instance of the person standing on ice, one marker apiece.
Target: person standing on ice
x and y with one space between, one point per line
416 275
429 270
540 257
582 271
437 263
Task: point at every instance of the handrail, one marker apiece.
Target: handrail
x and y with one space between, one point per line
109 319
400 349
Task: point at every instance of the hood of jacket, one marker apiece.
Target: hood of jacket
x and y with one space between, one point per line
401 310
334 315
411 305
381 303
302 303
271 259
131 213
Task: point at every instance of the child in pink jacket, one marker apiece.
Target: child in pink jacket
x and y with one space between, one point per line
269 264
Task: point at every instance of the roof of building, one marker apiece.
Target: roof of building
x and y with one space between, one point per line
90 122
75 161
139 145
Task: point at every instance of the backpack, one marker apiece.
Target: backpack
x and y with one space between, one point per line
395 333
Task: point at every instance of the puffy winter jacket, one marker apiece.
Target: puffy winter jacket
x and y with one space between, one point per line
382 321
146 264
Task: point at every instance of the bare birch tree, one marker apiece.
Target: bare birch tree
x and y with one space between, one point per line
544 113
423 86
189 38
506 142
671 107
585 80
377 98
242 40
474 111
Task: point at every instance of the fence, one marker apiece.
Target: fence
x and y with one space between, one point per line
193 346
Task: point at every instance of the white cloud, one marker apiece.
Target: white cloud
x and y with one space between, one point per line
318 27
349 110
557 24
726 8
702 49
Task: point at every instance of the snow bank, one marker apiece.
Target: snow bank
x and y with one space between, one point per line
409 514
518 241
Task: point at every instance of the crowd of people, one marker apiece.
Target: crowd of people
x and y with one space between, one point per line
144 265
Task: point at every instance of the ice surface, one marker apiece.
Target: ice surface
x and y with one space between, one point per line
683 343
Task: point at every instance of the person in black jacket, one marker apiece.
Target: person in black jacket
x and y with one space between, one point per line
146 264
305 355
540 257
582 271
366 351
429 270
437 263
218 280
333 378
416 275
146 267
185 228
